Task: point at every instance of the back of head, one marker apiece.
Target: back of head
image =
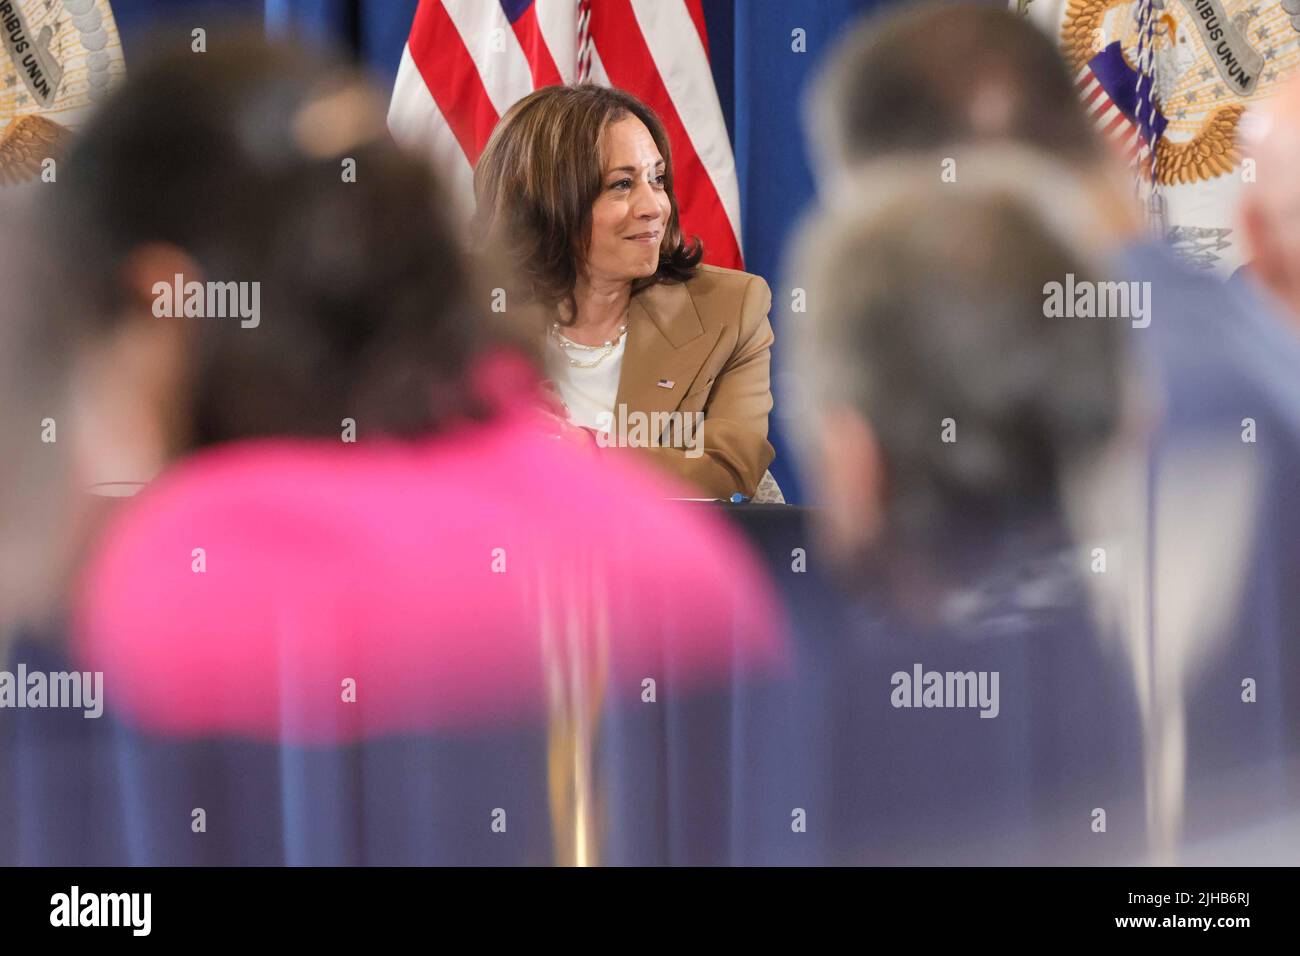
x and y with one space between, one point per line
941 73
952 410
927 320
268 169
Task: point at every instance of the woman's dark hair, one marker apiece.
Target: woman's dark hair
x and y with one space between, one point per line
238 157
539 176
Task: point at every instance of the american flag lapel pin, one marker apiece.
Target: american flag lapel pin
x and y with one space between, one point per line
666 383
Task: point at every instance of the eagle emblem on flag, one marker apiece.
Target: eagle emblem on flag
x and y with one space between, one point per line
57 57
1176 78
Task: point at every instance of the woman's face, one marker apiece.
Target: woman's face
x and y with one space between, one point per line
631 213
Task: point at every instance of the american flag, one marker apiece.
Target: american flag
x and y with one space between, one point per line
1118 100
467 61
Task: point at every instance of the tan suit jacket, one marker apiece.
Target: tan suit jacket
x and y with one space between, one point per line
703 346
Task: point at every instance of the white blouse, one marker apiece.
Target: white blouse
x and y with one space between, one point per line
588 393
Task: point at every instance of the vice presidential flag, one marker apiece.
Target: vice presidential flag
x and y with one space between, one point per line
467 61
56 59
1176 77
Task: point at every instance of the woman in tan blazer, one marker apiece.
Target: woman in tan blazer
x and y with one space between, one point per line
646 347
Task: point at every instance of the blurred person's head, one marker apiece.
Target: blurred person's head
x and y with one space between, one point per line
576 184
952 76
1270 205
262 177
922 77
946 402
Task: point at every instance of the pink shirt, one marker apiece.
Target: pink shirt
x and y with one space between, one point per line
429 573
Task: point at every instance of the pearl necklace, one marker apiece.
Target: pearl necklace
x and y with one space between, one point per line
567 345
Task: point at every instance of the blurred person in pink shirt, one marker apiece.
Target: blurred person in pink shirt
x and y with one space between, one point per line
370 610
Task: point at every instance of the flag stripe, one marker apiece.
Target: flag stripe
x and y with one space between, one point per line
556 23
688 79
598 72
1113 124
499 60
631 66
450 76
696 10
419 125
541 65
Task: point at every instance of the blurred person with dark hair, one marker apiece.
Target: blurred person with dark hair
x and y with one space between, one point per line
1212 528
370 610
576 185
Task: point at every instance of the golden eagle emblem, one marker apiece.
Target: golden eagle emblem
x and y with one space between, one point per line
1211 58
25 144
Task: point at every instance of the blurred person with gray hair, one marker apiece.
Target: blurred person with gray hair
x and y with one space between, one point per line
963 708
926 306
1206 507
